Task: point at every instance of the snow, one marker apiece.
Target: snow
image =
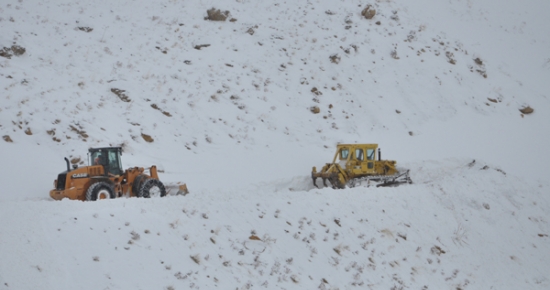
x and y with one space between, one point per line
233 120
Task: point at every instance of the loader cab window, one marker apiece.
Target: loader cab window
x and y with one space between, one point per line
359 154
110 158
344 153
98 158
370 154
115 166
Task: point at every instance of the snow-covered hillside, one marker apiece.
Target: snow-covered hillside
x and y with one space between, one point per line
242 109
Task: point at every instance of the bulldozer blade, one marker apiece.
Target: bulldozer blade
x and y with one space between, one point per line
389 184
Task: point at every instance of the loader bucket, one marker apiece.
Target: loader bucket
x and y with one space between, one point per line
177 188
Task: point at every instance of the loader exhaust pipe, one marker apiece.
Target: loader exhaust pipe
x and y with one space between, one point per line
379 155
68 166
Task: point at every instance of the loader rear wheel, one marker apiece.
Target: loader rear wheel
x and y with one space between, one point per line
100 190
152 188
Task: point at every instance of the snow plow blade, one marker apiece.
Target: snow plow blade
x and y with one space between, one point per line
397 180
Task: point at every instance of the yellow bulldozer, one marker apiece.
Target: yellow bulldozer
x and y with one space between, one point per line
357 163
104 178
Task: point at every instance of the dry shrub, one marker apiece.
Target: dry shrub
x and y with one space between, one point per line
196 258
198 47
165 50
335 58
450 57
85 29
254 237
478 61
481 70
28 131
295 279
216 14
147 138
7 138
368 12
436 250
483 73
5 52
17 50
394 55
120 93
316 91
135 236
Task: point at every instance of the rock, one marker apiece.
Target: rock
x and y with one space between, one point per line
527 110
368 12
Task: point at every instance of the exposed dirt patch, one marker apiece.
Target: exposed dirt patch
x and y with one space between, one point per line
79 131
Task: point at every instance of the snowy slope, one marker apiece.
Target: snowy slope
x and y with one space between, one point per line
229 107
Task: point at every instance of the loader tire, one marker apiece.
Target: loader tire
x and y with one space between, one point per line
152 188
100 190
137 183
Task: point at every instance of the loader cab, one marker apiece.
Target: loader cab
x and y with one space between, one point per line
109 157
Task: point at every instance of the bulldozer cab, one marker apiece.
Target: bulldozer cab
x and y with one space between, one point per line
357 158
108 157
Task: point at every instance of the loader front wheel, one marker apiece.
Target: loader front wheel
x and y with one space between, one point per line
100 190
152 188
138 182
